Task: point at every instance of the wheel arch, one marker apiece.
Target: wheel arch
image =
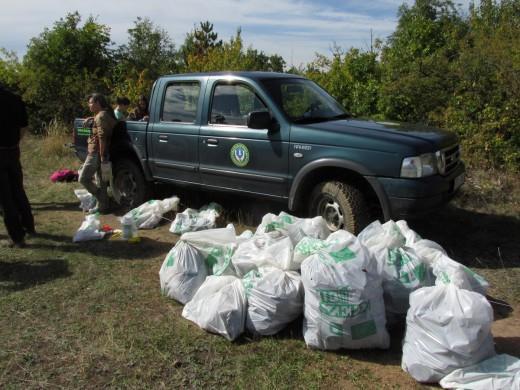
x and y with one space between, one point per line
335 169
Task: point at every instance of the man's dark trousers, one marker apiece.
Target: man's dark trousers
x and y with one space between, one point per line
18 217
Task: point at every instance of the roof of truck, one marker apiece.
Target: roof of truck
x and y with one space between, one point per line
250 75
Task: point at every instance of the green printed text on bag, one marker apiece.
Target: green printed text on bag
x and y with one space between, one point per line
309 245
281 224
416 271
337 303
342 255
250 279
219 259
336 329
171 260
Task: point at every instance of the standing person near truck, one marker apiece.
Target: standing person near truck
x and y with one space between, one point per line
18 218
98 146
121 110
140 113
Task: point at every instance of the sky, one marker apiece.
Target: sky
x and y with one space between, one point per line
294 29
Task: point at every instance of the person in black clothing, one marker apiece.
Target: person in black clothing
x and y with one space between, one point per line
17 212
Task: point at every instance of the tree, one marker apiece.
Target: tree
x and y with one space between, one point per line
353 78
258 60
63 65
10 70
417 80
485 105
149 49
231 55
198 43
148 54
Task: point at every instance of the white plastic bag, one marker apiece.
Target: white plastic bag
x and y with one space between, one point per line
496 373
267 249
89 229
217 246
191 220
244 236
295 228
428 251
87 200
182 272
401 269
274 297
410 235
306 248
386 236
447 328
149 214
219 306
448 271
343 297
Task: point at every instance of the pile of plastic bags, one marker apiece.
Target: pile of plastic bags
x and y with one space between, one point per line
347 288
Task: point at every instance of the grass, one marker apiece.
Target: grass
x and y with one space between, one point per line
56 136
91 315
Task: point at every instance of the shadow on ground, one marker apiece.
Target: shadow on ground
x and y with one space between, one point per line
474 239
390 356
115 249
509 345
19 275
51 206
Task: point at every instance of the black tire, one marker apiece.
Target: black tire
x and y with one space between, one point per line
130 184
342 205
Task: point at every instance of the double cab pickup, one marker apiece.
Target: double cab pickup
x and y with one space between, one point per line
283 137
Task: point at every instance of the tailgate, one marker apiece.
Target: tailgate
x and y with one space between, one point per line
81 133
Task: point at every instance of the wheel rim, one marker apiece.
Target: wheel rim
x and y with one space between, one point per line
126 185
330 210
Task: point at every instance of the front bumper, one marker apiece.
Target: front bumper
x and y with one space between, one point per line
412 197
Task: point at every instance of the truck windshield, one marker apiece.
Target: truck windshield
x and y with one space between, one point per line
303 101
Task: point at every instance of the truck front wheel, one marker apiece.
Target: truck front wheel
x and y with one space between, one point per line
342 205
130 185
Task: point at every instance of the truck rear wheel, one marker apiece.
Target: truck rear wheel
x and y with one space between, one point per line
130 184
342 205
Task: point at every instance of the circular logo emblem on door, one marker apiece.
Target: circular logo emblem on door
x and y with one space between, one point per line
239 155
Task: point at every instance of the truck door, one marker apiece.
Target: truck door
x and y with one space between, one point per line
173 137
233 156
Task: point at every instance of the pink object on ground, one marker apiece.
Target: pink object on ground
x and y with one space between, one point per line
64 175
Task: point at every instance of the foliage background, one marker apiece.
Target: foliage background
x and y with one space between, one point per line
459 71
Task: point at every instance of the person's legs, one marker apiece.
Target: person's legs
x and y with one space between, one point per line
91 166
102 197
11 216
86 178
19 195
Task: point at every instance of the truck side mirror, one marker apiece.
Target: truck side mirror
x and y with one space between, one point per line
259 120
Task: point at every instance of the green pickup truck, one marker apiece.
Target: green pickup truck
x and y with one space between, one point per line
281 136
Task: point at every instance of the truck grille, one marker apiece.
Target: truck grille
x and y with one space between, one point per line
449 159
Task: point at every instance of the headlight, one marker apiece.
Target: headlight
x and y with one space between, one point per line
420 166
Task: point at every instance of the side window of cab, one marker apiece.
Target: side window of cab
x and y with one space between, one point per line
180 102
231 104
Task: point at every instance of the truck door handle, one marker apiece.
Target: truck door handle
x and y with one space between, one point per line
212 142
163 138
